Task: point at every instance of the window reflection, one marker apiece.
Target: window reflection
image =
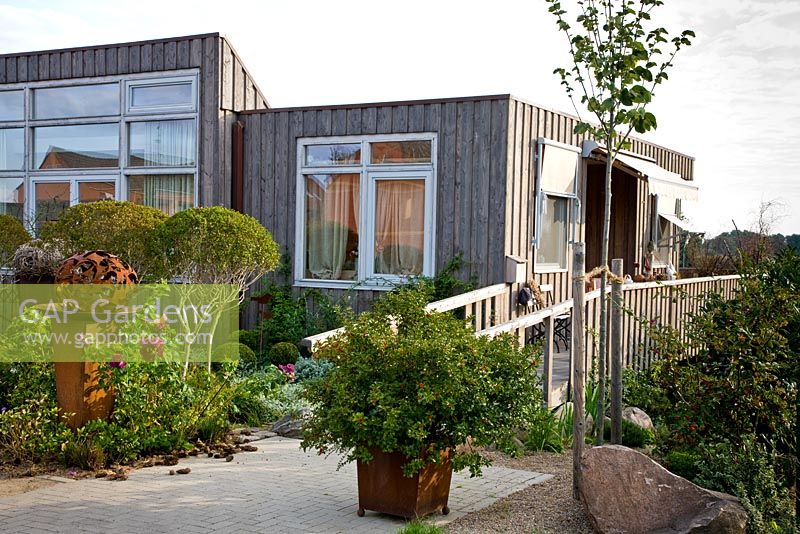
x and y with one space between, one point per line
12 197
12 106
144 96
12 149
401 152
162 143
94 191
334 154
52 199
77 101
76 147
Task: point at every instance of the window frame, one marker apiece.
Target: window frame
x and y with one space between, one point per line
131 84
573 205
73 179
123 169
369 173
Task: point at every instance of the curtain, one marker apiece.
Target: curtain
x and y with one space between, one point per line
163 143
170 193
399 226
332 205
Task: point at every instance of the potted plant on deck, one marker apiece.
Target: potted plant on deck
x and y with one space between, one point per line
413 396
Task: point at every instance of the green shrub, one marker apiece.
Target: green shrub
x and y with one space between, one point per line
543 432
12 235
306 369
283 353
32 431
683 463
632 435
420 387
252 403
641 390
417 527
289 399
216 245
81 451
747 469
122 228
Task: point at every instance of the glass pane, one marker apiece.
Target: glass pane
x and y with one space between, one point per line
555 222
399 226
12 196
175 94
52 199
341 154
666 240
94 191
12 149
76 147
78 101
12 107
332 202
401 152
170 193
162 143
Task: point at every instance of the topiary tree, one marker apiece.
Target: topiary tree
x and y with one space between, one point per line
283 352
12 236
121 228
216 245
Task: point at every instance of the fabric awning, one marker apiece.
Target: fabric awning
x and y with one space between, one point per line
660 180
680 223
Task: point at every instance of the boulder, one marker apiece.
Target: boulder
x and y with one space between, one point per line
638 417
625 492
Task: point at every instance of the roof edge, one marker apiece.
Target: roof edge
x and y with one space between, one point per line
361 105
109 45
227 40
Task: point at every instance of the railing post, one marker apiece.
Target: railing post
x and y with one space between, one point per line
578 364
547 379
616 352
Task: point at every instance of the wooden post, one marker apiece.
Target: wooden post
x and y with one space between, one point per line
578 364
547 379
616 352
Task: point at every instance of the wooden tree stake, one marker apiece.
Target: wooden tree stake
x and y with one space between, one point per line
578 364
616 352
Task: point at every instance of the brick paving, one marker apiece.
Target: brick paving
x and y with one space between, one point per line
279 488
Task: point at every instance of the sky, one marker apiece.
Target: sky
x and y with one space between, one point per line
731 100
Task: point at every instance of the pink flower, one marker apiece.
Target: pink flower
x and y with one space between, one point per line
288 370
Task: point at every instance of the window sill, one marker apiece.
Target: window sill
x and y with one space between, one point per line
365 285
548 270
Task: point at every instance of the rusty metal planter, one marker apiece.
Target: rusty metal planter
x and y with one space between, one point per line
383 488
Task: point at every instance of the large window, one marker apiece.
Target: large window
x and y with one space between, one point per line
556 201
365 212
120 137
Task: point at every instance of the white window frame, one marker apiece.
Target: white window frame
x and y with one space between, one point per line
122 170
369 173
130 85
573 206
73 179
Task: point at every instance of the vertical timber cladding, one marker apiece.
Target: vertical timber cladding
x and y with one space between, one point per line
222 91
527 123
470 179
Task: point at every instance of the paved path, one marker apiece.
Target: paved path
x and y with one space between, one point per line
277 489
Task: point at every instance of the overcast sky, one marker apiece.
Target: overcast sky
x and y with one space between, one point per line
731 101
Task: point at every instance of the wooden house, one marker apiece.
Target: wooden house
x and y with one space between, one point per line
360 196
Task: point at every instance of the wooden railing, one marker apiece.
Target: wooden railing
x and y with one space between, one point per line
490 311
485 307
664 303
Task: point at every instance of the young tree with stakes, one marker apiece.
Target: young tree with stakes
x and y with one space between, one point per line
618 58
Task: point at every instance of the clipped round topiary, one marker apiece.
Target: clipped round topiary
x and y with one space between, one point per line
234 349
217 245
283 353
124 229
37 261
12 236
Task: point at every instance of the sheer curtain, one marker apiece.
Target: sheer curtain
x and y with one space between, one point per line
163 143
170 193
399 226
332 209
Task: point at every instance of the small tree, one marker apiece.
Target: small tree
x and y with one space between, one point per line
616 65
12 236
216 245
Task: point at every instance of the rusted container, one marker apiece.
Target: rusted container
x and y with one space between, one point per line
383 488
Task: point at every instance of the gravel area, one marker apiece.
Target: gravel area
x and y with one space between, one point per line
546 508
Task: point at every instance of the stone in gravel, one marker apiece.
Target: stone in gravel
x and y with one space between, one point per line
171 472
229 458
169 459
101 474
193 452
184 471
182 454
626 492
249 448
638 417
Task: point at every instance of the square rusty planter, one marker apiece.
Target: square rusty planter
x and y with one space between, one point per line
383 488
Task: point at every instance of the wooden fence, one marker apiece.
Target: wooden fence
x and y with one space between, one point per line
672 303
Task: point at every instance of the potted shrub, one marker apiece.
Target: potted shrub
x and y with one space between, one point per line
411 396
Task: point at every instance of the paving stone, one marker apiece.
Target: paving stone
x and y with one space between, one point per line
279 488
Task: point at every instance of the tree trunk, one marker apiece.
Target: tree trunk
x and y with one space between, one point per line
616 353
602 353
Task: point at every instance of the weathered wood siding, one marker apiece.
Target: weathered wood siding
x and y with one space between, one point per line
221 91
527 123
470 181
